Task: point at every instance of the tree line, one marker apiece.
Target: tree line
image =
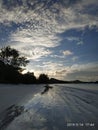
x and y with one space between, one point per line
11 67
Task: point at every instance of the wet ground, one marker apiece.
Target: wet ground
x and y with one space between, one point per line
59 107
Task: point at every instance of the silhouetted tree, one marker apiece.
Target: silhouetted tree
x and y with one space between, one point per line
8 73
29 78
12 57
43 78
11 64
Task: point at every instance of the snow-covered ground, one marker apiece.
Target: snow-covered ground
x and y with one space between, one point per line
65 106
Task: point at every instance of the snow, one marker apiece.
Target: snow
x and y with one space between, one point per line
72 106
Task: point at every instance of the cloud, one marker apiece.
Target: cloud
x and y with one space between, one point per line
85 72
36 43
57 17
45 19
74 58
49 68
57 69
80 43
36 25
72 38
78 40
35 38
67 53
35 53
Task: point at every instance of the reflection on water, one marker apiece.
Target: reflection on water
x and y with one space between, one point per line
57 107
8 115
47 87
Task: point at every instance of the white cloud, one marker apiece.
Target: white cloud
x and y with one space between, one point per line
57 56
34 38
48 19
66 18
35 53
42 24
67 53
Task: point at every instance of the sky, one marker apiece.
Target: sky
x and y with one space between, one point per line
58 37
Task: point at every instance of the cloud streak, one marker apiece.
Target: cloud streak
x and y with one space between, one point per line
85 72
35 53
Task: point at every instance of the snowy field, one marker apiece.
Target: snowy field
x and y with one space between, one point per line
65 106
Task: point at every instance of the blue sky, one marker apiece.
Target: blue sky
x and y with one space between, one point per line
59 37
